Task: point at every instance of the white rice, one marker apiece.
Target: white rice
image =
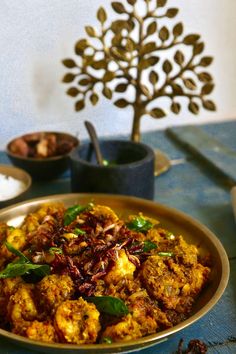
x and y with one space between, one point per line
10 187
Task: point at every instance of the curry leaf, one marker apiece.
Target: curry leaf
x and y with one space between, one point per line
22 265
53 250
165 254
72 212
78 231
148 246
139 224
110 305
17 269
16 252
107 340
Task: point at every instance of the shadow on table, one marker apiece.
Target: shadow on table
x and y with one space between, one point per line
220 220
214 173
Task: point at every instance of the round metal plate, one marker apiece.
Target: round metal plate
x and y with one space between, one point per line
172 219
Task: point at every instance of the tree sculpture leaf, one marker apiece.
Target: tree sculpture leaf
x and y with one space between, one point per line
153 77
172 12
121 103
161 3
179 57
118 7
101 15
84 82
90 31
164 34
177 89
69 63
72 91
121 87
80 46
191 39
94 99
206 61
68 77
193 107
167 66
157 113
107 92
209 105
148 48
175 107
178 29
207 89
204 77
147 63
79 105
190 84
198 48
131 2
152 28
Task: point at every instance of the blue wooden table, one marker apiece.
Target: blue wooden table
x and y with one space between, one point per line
204 193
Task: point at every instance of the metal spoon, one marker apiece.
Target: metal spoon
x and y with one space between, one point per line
94 139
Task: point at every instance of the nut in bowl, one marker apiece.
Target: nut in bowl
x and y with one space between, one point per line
44 155
14 185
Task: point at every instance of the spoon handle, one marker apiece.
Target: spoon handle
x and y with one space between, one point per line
93 136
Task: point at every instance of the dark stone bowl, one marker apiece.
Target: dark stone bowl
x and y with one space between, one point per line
130 170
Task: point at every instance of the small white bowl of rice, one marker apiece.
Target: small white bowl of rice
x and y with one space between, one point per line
14 185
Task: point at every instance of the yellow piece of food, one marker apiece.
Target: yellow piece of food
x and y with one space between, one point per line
53 290
77 321
122 268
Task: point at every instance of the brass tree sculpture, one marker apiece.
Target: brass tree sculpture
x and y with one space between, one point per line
124 59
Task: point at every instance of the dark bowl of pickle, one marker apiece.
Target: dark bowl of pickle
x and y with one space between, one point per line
44 155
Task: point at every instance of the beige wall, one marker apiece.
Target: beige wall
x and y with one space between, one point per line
36 34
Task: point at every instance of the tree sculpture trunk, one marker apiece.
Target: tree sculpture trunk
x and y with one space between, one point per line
135 135
138 111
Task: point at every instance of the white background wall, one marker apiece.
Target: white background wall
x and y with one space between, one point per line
35 35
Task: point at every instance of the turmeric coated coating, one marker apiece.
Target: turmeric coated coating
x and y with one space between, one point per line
172 284
155 275
42 331
22 308
123 331
77 322
17 238
53 289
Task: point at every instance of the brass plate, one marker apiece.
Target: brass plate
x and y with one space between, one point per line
175 221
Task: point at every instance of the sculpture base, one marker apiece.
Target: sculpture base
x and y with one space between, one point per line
162 162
